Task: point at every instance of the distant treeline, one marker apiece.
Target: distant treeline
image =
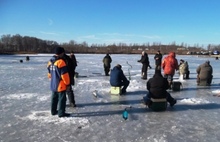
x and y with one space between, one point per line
11 44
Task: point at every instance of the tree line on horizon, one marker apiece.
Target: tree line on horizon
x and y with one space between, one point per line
12 44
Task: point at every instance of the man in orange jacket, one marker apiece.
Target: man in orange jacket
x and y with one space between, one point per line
169 65
60 80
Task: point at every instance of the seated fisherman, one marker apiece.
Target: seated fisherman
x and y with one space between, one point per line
204 71
157 87
184 69
117 78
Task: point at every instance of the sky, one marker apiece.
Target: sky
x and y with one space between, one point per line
114 21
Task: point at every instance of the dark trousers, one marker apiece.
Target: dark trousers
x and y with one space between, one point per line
144 71
125 85
205 82
187 75
158 67
106 69
58 99
169 78
71 97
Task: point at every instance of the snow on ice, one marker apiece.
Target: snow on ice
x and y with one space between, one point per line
25 104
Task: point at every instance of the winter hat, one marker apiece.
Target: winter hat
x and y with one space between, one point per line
59 50
118 65
207 61
157 72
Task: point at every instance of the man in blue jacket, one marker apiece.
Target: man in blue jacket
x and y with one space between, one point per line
60 81
117 78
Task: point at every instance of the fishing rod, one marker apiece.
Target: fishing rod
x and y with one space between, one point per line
129 74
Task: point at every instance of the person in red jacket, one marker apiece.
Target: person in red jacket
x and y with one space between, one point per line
169 65
60 80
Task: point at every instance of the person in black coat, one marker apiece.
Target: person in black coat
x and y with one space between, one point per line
157 86
71 70
145 63
117 78
158 58
107 64
73 58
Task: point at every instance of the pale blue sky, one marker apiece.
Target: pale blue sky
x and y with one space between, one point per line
114 21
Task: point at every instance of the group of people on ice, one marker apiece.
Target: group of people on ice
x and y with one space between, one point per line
61 71
158 85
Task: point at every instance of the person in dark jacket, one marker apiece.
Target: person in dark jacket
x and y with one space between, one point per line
60 80
73 58
71 70
107 64
117 78
204 71
145 63
158 59
157 86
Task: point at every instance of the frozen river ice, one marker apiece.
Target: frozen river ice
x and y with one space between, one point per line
25 104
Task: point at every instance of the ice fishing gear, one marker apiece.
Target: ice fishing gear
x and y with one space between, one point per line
125 114
129 74
94 93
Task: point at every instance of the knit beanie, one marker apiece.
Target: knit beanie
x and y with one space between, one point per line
59 50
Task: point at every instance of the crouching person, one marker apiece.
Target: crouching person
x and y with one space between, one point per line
157 87
204 77
118 79
184 69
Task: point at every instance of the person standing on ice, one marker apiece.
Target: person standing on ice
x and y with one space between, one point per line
157 86
60 80
71 70
204 71
107 64
169 65
73 58
117 78
158 58
145 63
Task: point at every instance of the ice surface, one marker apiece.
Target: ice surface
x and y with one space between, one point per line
25 104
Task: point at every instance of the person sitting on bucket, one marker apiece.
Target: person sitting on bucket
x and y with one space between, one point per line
157 86
204 71
117 78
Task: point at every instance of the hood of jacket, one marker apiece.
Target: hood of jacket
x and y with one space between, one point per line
172 54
